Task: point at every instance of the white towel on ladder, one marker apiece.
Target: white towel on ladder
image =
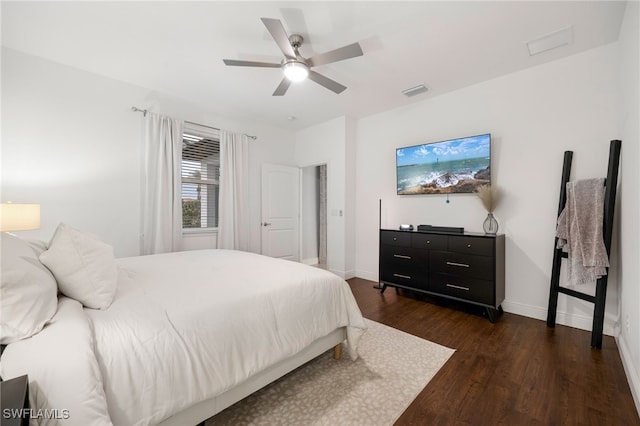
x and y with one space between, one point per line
579 230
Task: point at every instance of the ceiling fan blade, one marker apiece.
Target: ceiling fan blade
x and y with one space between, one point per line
334 86
282 87
276 29
340 54
237 63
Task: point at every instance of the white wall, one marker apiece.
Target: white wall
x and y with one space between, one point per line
579 103
351 218
533 115
71 143
327 143
629 196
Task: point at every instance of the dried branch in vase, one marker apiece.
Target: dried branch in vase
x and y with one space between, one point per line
489 197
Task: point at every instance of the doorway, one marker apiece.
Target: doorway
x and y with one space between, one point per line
313 213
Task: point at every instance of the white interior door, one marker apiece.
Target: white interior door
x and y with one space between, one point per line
280 211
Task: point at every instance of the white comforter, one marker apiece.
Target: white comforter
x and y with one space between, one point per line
184 327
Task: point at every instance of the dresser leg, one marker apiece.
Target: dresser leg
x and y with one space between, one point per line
384 287
494 313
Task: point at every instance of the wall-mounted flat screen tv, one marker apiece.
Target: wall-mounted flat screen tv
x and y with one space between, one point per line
453 166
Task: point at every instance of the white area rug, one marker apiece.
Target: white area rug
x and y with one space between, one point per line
392 369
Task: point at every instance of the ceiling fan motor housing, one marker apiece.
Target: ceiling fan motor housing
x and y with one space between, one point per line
296 40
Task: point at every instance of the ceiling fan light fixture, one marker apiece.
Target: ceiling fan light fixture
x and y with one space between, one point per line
296 71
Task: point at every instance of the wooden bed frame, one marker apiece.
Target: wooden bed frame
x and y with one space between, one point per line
201 411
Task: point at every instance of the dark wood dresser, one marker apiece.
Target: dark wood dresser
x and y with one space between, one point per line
467 267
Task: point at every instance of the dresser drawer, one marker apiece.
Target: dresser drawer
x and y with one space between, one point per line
429 241
406 276
471 245
396 238
403 255
462 265
474 290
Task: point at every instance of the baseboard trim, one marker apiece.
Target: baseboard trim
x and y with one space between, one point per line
341 274
349 274
345 275
367 275
581 322
629 369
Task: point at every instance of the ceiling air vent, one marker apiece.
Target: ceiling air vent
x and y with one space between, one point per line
421 88
550 41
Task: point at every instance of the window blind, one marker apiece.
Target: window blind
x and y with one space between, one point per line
200 176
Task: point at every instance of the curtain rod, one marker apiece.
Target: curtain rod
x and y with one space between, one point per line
144 113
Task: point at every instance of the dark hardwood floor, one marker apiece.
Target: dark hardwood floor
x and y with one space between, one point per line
514 372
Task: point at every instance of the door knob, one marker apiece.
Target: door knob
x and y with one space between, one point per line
266 224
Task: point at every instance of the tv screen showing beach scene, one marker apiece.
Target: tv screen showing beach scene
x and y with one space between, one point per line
453 166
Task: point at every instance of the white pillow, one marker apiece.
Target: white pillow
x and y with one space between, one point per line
83 266
28 293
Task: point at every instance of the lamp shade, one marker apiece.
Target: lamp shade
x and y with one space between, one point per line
19 217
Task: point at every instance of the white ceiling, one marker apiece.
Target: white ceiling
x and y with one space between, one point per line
177 47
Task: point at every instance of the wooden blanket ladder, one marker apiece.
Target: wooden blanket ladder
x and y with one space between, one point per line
598 300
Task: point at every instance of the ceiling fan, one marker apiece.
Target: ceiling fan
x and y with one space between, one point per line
295 67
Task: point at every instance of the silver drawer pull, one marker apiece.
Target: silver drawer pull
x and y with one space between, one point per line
468 245
459 287
428 242
402 256
402 276
463 265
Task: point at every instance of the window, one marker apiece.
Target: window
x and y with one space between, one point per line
200 177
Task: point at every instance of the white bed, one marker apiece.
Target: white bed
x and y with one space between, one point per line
186 335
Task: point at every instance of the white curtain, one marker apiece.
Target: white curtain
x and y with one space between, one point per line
162 209
233 232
